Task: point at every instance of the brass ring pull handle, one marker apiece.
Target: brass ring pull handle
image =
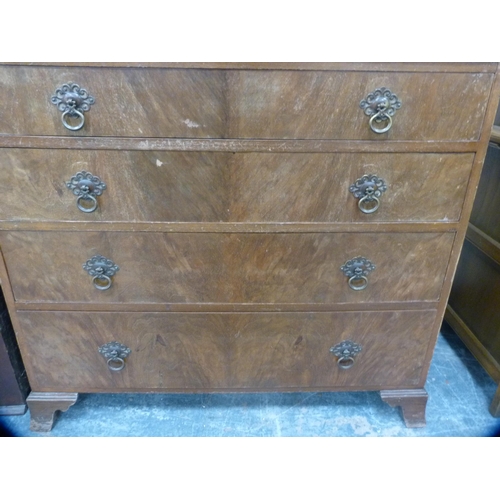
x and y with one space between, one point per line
86 187
345 362
357 270
115 354
101 269
368 204
368 189
379 117
73 112
86 197
380 106
72 101
115 364
346 353
358 282
101 281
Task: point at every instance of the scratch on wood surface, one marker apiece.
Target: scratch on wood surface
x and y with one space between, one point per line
190 123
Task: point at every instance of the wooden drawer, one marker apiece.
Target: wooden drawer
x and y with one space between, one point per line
225 187
228 210
198 352
200 103
238 268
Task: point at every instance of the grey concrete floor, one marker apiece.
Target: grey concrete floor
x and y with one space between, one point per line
460 392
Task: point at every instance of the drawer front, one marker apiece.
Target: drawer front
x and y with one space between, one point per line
226 187
133 103
182 352
139 102
187 268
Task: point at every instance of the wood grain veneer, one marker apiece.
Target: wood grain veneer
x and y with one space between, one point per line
244 104
246 352
226 268
226 187
228 211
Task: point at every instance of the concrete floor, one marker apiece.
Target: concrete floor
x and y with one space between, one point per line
460 392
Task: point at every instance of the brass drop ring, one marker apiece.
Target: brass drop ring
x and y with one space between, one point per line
354 278
364 200
380 130
73 112
103 277
345 362
86 197
115 364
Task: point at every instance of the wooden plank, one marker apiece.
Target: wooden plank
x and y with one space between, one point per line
240 227
222 308
477 349
412 67
235 145
483 242
475 296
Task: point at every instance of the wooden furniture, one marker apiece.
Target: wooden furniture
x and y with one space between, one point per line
261 227
14 385
474 306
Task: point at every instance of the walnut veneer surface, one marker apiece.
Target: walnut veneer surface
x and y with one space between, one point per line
228 210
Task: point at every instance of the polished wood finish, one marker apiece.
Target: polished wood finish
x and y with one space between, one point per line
44 405
473 310
228 211
244 104
225 268
244 352
412 403
226 187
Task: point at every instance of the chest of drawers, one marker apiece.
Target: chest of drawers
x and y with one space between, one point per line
235 227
